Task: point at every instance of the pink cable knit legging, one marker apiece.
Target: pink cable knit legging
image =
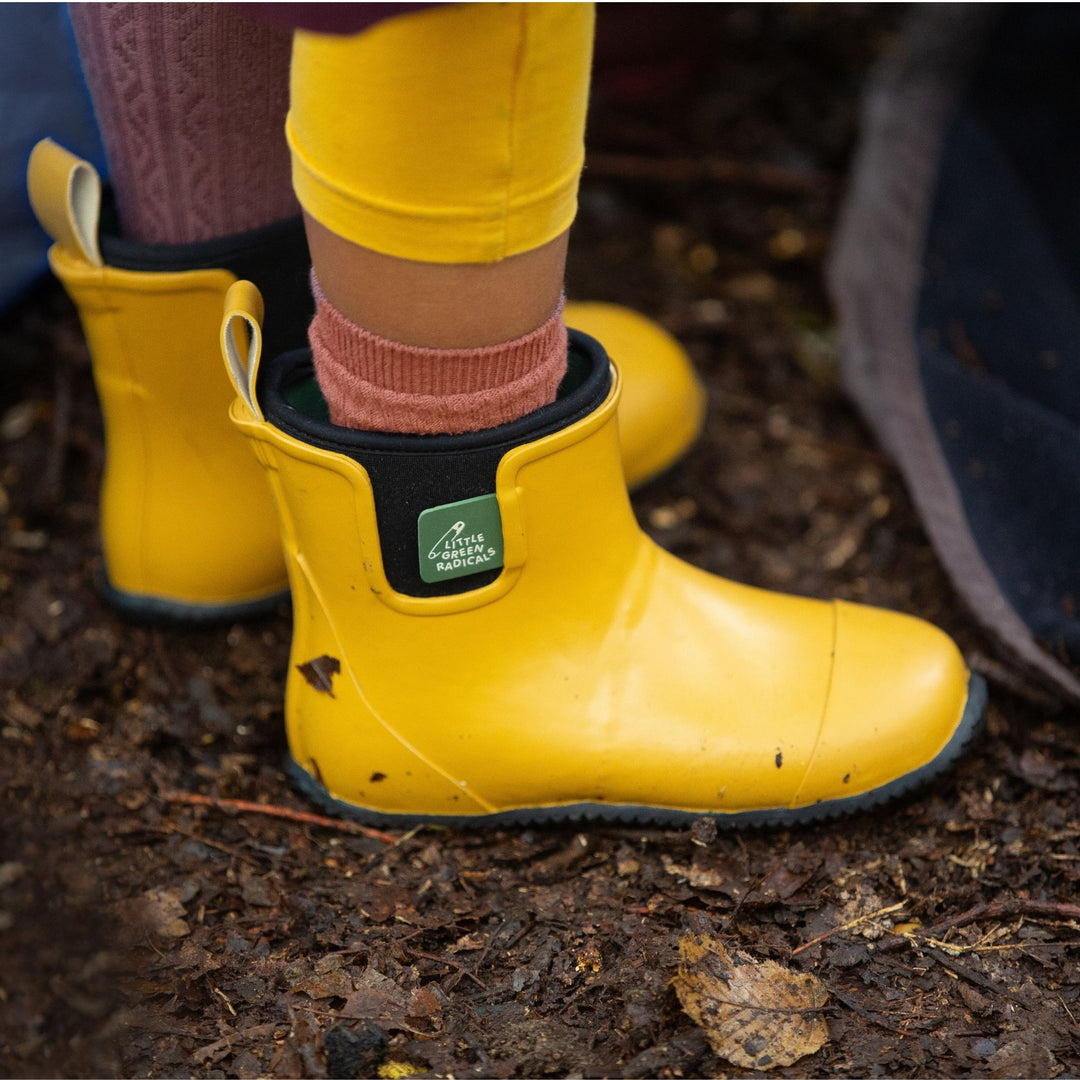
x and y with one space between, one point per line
191 100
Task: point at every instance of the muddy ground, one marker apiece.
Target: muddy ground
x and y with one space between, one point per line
141 936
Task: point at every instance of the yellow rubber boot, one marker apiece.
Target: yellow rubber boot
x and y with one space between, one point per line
662 408
482 634
188 527
188 530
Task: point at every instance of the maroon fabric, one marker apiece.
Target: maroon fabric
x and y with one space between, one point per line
327 18
194 137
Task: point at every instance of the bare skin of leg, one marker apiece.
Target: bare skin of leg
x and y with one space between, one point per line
438 305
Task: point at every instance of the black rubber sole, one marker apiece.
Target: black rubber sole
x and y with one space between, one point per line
966 732
155 610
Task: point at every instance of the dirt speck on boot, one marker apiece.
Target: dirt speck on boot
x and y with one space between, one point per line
320 673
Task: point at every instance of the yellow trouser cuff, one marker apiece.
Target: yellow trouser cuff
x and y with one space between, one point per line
483 231
449 135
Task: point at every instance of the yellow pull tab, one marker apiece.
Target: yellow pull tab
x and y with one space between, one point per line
65 192
241 340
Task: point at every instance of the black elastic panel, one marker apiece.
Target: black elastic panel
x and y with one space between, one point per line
275 257
410 473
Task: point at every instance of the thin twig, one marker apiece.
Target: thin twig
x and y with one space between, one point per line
1003 909
231 851
446 960
974 977
867 1015
978 946
301 817
754 886
259 1031
847 926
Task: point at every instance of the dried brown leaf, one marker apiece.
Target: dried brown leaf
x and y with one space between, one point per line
698 877
331 984
380 999
192 957
375 997
424 1003
468 943
160 911
257 890
298 1055
756 1014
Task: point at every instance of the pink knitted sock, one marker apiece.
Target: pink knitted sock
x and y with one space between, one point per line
191 100
374 384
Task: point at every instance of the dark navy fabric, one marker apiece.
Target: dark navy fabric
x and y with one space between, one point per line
1017 465
42 93
999 315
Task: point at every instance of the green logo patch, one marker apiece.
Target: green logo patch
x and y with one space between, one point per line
460 538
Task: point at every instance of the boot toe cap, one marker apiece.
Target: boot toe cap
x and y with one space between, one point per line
898 695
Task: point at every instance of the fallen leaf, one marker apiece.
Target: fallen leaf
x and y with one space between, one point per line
784 882
703 831
257 891
1042 771
380 999
1022 1059
756 1014
698 877
870 911
333 962
160 911
192 957
468 943
215 1051
320 673
332 984
246 1066
375 997
423 1003
298 1054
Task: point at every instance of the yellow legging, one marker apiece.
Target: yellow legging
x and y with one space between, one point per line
451 135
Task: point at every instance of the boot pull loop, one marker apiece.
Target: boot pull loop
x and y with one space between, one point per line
241 340
65 192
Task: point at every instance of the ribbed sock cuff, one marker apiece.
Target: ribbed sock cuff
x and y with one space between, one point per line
373 384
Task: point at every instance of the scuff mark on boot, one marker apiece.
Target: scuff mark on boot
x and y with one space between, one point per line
320 673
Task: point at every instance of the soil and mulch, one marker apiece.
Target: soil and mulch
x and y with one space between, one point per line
169 906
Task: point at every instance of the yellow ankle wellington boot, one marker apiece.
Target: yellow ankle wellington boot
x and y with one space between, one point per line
662 407
188 527
482 634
